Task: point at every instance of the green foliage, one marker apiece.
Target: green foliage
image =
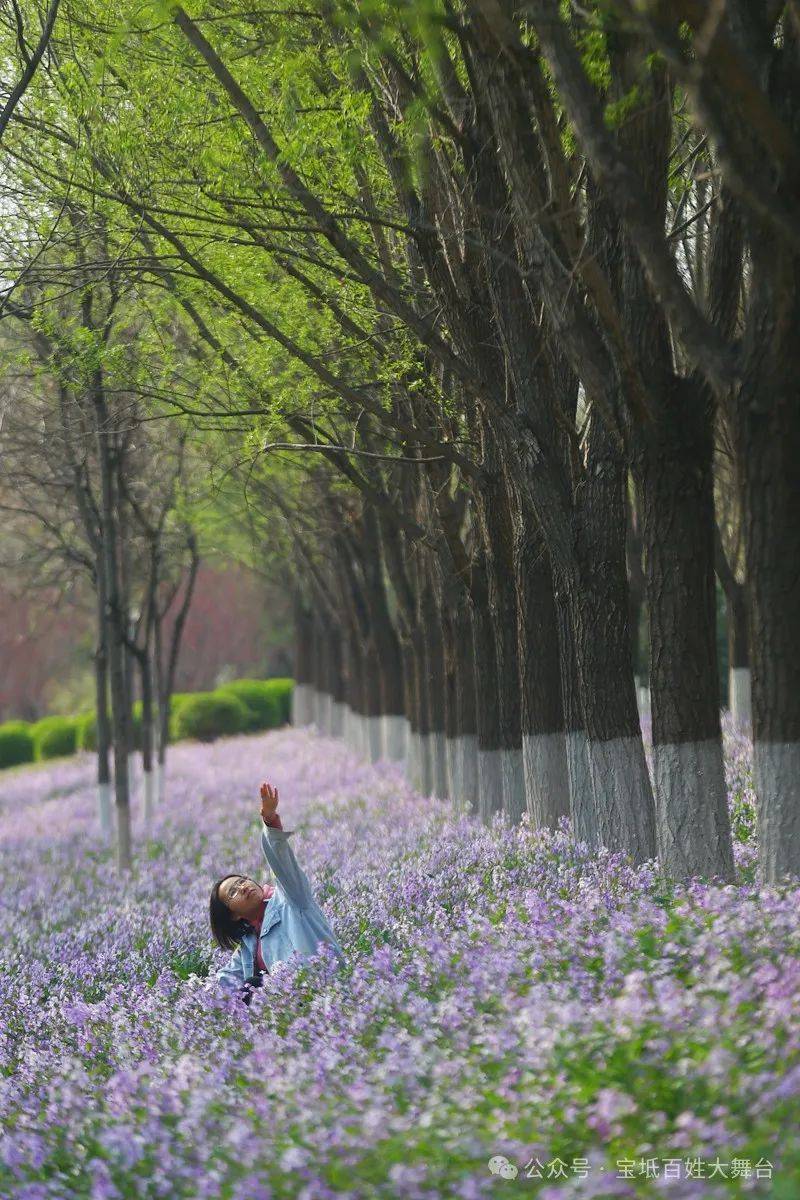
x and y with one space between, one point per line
87 731
258 698
16 743
54 737
281 690
209 715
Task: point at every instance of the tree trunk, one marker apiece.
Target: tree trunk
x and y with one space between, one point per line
101 707
581 797
303 665
497 530
466 711
674 474
739 682
115 631
146 680
771 479
436 688
543 735
598 601
490 773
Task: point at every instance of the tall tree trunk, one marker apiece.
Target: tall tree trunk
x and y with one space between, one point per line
303 664
114 622
101 708
543 734
581 798
146 680
770 452
436 689
674 473
494 507
466 710
739 681
490 773
623 796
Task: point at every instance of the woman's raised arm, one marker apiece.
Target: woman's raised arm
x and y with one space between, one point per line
279 854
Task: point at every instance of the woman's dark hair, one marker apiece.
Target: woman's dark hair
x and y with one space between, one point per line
226 929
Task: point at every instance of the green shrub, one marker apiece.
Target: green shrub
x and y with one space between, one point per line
176 703
258 699
86 731
281 690
54 737
209 715
16 743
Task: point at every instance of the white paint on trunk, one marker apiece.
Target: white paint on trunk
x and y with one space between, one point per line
490 783
544 757
349 726
776 775
149 796
425 765
301 704
131 778
438 750
693 827
513 783
105 811
452 747
395 729
624 797
161 787
741 698
325 713
413 759
374 736
468 747
581 799
337 718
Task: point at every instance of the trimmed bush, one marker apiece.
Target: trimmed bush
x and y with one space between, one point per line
176 703
259 700
16 744
281 690
209 715
86 731
54 737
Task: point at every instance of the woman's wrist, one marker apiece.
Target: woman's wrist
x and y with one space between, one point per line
274 821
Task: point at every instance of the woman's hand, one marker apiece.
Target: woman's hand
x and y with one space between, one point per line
269 801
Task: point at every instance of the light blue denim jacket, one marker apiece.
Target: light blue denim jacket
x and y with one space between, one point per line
293 921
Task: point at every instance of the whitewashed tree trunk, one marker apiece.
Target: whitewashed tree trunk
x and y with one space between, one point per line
741 699
149 795
776 775
438 752
374 738
544 759
337 719
454 769
513 771
104 809
490 783
582 811
395 732
468 772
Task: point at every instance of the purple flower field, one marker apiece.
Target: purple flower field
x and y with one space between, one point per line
517 1017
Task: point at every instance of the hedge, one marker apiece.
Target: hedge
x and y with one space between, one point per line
16 744
258 699
241 706
54 737
209 715
282 694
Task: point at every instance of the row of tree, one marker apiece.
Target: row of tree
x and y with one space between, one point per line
495 305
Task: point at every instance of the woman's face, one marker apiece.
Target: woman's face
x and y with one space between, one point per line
242 896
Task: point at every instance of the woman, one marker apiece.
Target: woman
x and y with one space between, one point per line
267 924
